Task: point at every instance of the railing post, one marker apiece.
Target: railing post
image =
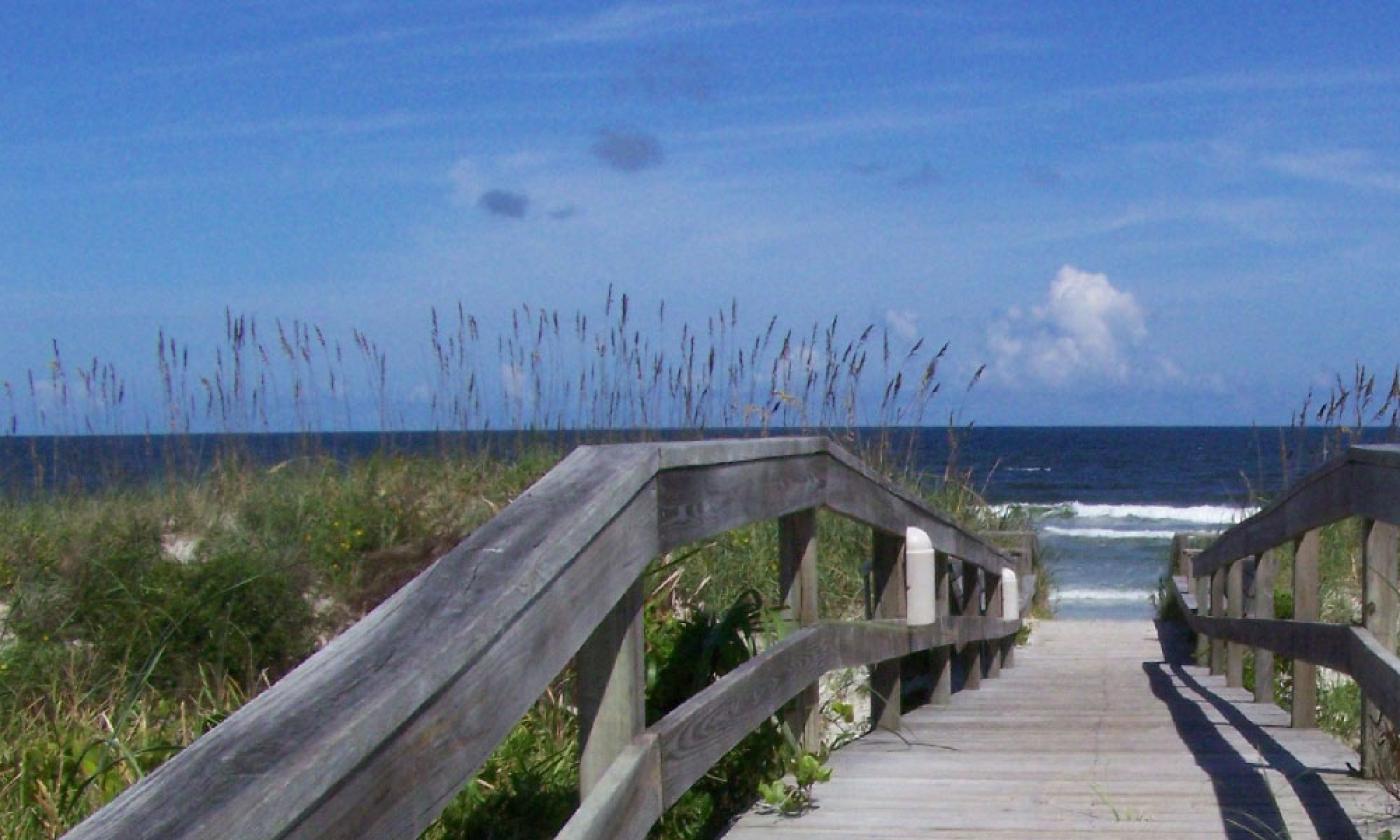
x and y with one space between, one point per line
797 585
887 571
1380 575
1305 608
611 688
1202 584
940 661
1011 601
1262 606
992 648
1217 610
971 607
1234 651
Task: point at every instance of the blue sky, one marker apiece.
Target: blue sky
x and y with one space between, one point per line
1169 213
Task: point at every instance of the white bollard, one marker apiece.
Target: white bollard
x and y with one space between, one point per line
1010 595
918 576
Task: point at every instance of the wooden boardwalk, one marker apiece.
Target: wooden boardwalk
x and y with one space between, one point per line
1098 732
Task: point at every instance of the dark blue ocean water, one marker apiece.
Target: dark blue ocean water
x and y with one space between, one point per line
1105 500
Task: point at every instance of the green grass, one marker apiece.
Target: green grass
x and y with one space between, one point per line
138 619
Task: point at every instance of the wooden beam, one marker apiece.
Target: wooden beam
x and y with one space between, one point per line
1234 601
940 658
797 587
1363 481
1380 565
1217 610
698 733
1262 606
971 607
611 688
699 502
993 651
1203 646
1305 608
888 586
626 800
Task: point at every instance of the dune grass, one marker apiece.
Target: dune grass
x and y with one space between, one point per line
136 615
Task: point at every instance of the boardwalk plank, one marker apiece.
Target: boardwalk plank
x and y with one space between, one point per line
1095 732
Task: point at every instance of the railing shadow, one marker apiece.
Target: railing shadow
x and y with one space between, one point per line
1248 809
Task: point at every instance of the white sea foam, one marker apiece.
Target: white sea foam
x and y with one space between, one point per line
1118 596
1108 533
1198 515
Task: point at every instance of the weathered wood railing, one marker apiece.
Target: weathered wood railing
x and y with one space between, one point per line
373 735
1227 591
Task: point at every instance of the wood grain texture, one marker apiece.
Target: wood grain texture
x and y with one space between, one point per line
610 687
1261 605
626 801
940 658
1306 606
971 607
1094 734
1234 601
695 735
376 732
1217 610
1380 610
1363 481
700 502
854 491
797 585
888 586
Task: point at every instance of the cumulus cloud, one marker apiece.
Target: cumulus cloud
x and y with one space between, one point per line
903 323
504 203
627 151
1085 329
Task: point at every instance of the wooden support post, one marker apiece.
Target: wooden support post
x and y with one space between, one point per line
797 585
1380 610
1181 564
611 688
887 572
1262 606
941 662
1305 608
1217 610
1202 608
992 650
971 605
1234 602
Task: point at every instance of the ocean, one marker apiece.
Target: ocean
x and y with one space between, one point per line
1105 501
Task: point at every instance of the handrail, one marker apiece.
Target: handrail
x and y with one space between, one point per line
374 734
1232 605
1362 481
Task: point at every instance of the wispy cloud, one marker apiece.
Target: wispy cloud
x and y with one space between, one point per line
1356 168
903 323
298 125
1245 82
628 22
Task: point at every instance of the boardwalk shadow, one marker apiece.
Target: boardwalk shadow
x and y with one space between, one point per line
1248 809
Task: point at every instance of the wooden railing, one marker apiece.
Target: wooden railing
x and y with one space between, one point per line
1227 592
373 735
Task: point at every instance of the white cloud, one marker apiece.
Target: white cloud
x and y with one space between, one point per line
1354 168
1085 329
903 323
